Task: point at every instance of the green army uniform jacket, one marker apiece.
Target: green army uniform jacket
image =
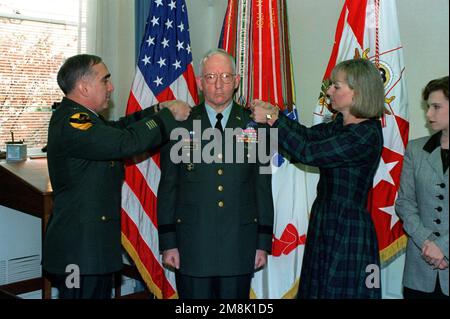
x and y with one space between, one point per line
217 214
86 173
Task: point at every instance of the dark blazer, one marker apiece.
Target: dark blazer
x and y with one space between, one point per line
422 204
84 152
217 214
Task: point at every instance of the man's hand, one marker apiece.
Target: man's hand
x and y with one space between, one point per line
260 258
171 258
180 110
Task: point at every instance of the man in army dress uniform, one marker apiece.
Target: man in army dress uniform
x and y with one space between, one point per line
215 219
84 153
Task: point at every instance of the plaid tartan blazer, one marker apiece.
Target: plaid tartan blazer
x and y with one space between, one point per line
341 239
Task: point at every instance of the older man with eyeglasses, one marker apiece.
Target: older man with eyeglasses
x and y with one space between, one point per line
215 218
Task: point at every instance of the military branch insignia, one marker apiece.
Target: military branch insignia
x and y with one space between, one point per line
81 121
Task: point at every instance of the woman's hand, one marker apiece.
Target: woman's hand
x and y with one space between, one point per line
263 112
433 255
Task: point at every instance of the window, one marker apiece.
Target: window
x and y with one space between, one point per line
35 38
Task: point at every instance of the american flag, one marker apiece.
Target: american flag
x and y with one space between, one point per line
164 71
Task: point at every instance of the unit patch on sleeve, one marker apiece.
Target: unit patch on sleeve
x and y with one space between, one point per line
81 121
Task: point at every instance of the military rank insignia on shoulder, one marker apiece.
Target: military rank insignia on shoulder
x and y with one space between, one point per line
151 124
81 121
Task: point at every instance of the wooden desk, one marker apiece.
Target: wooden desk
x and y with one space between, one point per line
25 186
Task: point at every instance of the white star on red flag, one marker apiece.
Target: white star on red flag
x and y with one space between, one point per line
383 172
390 210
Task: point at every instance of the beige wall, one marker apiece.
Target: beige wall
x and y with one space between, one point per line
423 28
111 24
205 22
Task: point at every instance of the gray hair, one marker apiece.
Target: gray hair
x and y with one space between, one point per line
217 52
367 84
74 69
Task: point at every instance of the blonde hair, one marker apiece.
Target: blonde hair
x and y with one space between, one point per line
367 84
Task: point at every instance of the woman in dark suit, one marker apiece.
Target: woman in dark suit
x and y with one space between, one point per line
341 240
422 202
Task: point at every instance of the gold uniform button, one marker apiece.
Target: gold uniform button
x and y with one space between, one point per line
103 218
220 188
179 220
220 156
220 204
256 220
220 172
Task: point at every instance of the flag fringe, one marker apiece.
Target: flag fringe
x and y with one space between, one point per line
290 294
391 252
154 289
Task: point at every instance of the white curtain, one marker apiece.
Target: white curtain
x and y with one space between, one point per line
110 35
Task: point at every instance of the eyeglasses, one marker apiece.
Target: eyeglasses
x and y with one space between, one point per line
226 78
